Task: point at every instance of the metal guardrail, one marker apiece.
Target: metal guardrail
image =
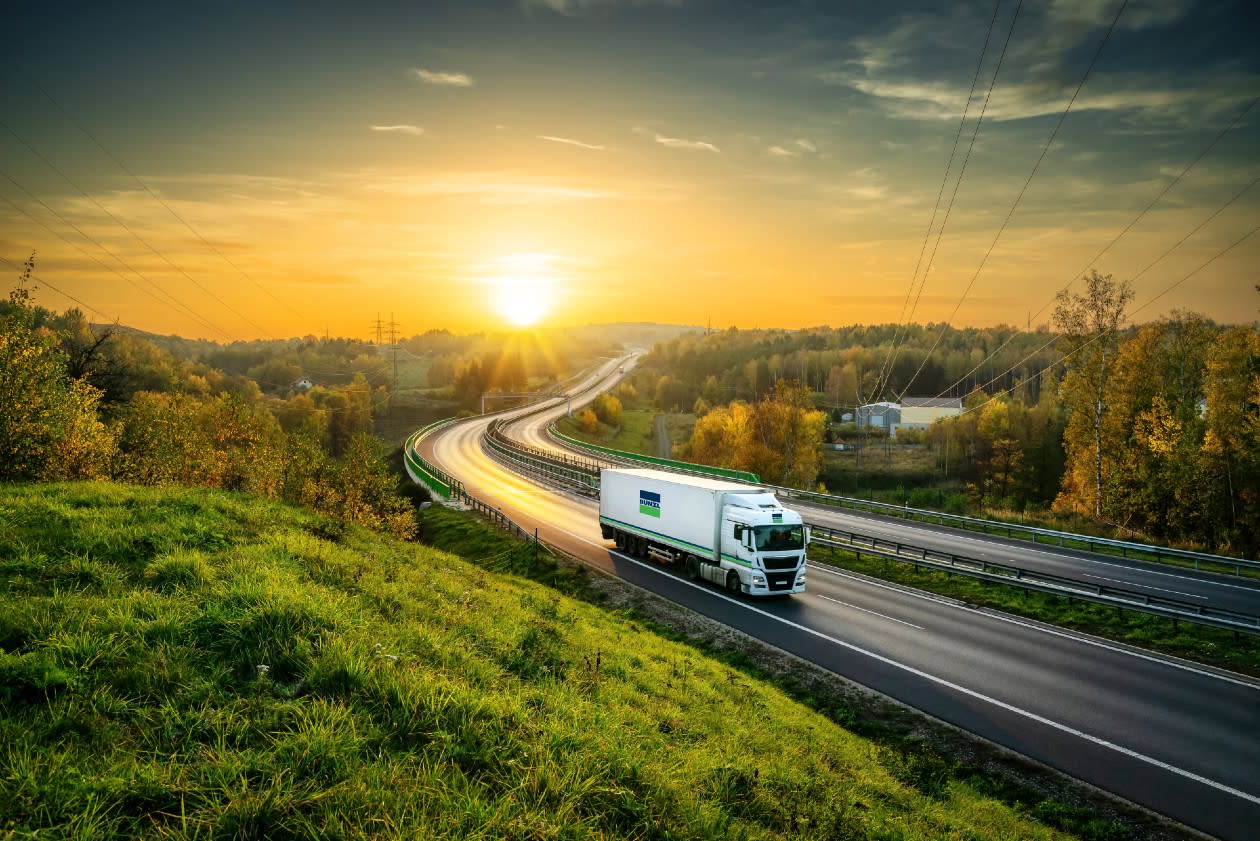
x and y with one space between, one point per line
566 476
1036 534
1034 580
667 463
1062 538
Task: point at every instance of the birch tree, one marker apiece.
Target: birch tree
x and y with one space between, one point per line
1089 322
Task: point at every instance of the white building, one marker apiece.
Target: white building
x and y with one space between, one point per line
922 412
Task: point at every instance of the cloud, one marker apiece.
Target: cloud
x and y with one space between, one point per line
570 142
578 8
497 189
401 129
1102 12
678 142
794 149
433 77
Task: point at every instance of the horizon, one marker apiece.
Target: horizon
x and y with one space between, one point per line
236 174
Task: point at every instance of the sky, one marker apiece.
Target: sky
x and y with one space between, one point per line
262 170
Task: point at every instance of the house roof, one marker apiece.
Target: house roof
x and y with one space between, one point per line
933 402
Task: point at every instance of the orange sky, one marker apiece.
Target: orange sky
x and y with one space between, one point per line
582 162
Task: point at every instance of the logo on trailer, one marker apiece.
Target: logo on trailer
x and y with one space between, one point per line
650 504
776 518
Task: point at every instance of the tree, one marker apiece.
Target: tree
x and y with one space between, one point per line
49 428
1230 453
780 438
608 409
587 421
1089 323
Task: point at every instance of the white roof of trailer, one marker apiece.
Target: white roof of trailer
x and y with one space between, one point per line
686 479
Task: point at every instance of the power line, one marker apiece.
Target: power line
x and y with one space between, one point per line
1210 260
159 200
954 195
129 230
1010 213
1127 228
40 280
175 302
927 235
1100 336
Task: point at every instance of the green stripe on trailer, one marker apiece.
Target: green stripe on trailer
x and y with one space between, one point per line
692 548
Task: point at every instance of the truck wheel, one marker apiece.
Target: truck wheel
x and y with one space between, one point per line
732 581
640 549
621 540
693 567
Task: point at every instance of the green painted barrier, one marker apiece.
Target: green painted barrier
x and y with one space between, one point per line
720 472
434 479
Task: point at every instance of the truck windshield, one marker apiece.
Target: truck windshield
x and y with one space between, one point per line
779 538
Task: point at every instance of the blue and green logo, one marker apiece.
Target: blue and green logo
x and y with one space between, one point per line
650 504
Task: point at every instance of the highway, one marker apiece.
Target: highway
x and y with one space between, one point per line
1179 739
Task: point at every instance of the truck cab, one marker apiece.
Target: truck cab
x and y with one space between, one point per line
763 544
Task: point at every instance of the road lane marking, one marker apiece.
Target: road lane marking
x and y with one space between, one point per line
971 693
873 613
1143 586
1033 548
1044 629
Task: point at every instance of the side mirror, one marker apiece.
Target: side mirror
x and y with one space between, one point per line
808 532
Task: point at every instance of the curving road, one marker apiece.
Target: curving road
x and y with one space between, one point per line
1179 739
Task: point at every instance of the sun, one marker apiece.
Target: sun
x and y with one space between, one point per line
523 287
521 304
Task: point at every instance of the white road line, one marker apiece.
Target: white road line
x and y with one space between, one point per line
1143 586
1033 549
1003 617
980 696
873 613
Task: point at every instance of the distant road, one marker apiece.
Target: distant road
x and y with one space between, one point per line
664 447
1177 738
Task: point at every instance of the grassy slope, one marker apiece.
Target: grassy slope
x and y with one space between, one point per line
406 694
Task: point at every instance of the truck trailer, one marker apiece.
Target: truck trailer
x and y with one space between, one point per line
736 536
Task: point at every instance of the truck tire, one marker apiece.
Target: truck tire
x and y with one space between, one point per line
621 540
693 568
732 581
641 547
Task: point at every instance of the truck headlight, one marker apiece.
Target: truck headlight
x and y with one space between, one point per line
759 580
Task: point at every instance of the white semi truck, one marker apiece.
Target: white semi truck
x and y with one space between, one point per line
736 536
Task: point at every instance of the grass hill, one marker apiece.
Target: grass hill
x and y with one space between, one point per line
198 664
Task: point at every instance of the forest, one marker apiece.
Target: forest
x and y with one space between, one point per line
1152 430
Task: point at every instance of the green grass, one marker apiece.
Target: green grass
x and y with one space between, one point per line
636 433
1215 647
195 664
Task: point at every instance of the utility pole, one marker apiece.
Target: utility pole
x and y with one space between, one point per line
378 325
393 346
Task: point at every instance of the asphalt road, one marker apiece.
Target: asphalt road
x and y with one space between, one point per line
1179 739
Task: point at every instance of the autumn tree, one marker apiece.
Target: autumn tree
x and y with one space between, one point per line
1089 322
587 421
49 427
607 408
780 438
1230 452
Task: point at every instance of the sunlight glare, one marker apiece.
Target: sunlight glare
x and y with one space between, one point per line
524 291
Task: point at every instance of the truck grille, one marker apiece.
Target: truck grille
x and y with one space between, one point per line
777 582
781 562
